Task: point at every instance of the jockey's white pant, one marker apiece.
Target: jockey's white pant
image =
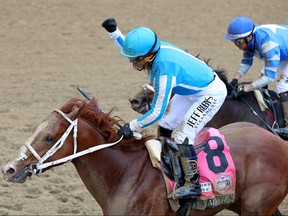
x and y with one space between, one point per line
188 114
282 81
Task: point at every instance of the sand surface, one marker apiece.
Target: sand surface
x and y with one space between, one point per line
48 47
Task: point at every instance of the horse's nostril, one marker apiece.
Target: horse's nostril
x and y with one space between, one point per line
134 102
10 171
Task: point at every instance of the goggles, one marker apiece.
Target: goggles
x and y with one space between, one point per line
240 41
147 60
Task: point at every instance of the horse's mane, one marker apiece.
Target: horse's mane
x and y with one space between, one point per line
221 72
104 121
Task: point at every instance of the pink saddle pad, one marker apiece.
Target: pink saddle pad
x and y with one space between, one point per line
216 166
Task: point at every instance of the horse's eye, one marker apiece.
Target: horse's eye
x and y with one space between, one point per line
70 111
49 138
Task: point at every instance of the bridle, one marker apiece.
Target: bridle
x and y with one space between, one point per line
145 89
40 165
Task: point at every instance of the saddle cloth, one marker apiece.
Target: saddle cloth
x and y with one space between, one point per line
215 166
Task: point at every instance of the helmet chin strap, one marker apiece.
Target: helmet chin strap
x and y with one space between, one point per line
148 61
248 44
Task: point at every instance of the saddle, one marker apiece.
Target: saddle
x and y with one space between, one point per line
217 178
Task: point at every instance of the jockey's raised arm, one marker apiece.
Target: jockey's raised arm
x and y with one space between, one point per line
114 32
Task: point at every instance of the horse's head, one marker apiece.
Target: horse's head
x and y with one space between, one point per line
46 144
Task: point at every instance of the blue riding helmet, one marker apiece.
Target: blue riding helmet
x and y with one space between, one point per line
239 27
139 42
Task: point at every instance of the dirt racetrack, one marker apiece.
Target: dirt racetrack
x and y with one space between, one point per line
48 47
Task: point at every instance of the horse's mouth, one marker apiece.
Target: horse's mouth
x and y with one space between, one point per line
19 177
140 109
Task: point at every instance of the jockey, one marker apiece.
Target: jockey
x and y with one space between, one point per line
268 43
198 93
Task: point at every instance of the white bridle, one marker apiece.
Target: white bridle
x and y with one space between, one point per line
73 125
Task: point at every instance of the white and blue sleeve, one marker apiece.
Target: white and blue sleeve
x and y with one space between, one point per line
118 38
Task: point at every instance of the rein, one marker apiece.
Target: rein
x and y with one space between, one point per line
231 97
40 165
255 113
145 88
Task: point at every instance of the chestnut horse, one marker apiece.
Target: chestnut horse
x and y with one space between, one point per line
119 175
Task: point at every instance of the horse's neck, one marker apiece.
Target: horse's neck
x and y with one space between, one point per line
111 180
91 167
94 175
106 173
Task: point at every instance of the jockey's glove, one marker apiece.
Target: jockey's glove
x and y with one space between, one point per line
237 94
125 131
110 25
234 83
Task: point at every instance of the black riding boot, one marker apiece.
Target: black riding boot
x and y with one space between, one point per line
283 132
284 103
191 188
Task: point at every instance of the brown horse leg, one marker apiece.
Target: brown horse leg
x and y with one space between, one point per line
269 200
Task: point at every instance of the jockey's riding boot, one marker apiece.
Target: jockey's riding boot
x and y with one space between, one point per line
164 132
283 132
191 188
284 103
